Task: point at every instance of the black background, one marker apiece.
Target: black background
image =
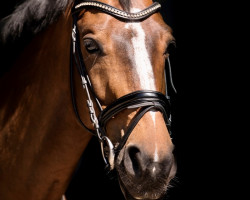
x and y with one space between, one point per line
205 129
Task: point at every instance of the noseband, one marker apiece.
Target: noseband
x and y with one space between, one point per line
144 100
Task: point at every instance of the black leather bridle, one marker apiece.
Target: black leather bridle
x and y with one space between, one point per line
144 100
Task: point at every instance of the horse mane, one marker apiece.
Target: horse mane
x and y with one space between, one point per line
19 24
32 16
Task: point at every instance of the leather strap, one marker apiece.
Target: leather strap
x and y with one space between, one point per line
147 100
135 99
115 12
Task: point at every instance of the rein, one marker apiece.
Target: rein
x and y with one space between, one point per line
144 100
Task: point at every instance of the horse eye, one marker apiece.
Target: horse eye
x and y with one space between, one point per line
91 45
170 49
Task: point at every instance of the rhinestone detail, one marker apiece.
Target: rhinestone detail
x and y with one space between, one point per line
117 12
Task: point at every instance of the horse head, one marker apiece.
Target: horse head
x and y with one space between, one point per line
124 48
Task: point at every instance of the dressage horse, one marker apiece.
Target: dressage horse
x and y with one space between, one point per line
97 69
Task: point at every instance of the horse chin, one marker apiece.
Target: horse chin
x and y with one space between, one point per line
141 191
136 195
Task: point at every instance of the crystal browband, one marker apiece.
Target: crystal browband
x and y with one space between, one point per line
117 12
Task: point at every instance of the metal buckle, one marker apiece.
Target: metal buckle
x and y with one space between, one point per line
108 154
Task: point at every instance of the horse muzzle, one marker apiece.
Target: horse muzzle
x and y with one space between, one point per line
142 178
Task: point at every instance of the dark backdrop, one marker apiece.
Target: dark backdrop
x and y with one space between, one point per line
203 109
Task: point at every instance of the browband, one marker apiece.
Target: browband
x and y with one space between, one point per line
121 14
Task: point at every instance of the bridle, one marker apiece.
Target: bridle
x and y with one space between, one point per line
144 100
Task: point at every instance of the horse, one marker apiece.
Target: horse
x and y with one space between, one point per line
91 69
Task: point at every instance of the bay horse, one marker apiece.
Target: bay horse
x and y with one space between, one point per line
92 68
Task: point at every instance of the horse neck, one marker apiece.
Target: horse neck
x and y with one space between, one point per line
40 139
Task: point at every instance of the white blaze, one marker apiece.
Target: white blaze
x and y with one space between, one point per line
140 58
156 156
142 63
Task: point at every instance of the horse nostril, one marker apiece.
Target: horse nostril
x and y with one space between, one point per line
133 161
138 164
134 156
